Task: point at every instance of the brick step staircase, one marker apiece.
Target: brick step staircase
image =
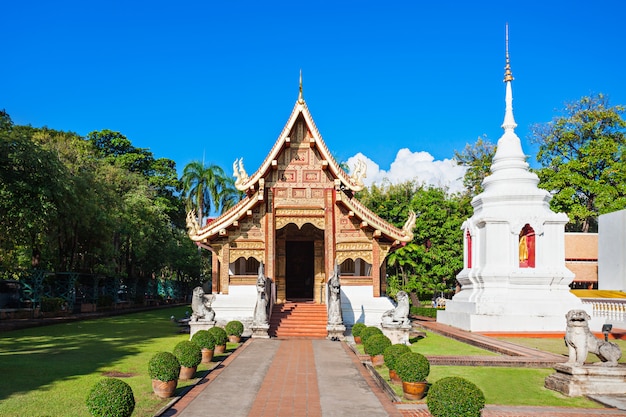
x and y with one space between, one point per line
298 320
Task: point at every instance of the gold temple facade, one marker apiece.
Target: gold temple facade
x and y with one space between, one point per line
299 216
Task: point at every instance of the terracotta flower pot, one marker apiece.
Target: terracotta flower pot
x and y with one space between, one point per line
234 339
414 390
207 355
219 349
164 389
187 372
357 340
393 376
378 360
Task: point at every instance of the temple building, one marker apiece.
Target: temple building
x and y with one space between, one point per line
299 217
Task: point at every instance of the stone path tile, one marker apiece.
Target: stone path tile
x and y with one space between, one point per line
290 385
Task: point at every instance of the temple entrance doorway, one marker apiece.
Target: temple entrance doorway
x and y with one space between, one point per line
300 263
300 270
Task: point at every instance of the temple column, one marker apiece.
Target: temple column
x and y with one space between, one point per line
224 277
375 268
329 232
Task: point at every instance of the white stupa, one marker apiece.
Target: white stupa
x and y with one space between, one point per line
514 277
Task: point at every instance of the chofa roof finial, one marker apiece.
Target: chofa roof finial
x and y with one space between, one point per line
300 98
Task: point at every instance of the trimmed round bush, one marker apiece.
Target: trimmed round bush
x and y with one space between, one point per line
357 328
376 344
204 339
393 352
368 332
234 328
412 367
111 397
455 397
164 366
219 334
188 353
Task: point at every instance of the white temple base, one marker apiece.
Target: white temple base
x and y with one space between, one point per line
575 381
260 331
397 333
194 326
358 305
512 310
336 331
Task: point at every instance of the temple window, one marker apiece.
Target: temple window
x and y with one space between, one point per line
358 268
347 267
527 247
243 266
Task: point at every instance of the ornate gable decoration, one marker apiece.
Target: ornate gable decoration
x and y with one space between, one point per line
248 183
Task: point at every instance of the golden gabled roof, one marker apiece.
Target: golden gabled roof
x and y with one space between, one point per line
344 186
283 140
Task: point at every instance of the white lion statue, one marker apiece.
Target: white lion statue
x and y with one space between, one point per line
398 315
580 341
201 305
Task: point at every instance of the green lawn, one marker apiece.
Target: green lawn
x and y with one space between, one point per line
557 345
501 385
48 371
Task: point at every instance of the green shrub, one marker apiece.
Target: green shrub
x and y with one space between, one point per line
111 397
234 328
188 353
368 332
425 311
376 344
357 329
412 367
51 304
455 397
219 334
204 339
164 366
393 352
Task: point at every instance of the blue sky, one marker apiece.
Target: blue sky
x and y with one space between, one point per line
194 80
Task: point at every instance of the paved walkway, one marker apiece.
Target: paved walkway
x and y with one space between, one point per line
297 377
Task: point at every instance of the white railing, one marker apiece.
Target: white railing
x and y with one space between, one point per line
613 310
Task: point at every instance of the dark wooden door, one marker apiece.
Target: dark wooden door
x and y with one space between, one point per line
299 270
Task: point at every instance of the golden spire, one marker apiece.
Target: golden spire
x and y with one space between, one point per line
300 98
508 75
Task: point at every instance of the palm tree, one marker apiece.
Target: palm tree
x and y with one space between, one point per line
207 188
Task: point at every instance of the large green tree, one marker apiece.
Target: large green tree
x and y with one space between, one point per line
206 188
429 263
477 158
583 158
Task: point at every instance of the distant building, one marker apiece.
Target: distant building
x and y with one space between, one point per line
612 251
581 257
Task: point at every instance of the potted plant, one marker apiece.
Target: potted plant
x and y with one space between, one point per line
220 339
455 396
375 346
164 369
111 397
413 368
234 330
206 342
368 332
189 356
357 328
391 355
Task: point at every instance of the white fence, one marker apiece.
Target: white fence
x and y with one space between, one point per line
612 310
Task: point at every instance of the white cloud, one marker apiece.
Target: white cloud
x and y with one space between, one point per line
419 166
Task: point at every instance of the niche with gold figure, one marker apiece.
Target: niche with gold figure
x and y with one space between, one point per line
527 247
